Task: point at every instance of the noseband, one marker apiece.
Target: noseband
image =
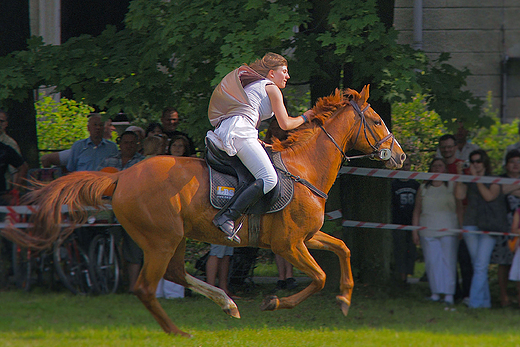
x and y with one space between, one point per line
383 154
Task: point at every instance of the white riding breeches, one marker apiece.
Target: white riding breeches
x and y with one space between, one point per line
254 157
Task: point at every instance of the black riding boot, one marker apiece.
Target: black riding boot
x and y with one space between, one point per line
246 199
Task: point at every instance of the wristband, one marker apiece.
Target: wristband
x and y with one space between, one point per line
305 119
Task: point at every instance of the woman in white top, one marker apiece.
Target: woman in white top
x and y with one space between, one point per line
244 98
436 208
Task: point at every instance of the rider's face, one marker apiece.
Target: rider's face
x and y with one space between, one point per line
279 76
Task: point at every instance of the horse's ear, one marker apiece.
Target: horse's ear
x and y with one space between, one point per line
364 94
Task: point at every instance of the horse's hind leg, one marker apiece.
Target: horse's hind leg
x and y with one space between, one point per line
320 240
176 272
158 250
299 256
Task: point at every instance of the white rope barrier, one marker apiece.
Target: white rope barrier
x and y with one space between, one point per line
333 215
30 209
29 225
362 171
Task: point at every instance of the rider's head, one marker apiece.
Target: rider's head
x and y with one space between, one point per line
270 61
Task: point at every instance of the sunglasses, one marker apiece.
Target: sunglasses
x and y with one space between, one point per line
478 161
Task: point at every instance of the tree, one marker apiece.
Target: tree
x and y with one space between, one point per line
417 130
61 124
174 53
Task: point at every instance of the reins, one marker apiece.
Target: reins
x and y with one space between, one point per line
383 154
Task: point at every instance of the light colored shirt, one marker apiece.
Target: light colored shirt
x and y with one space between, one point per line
116 161
438 210
86 156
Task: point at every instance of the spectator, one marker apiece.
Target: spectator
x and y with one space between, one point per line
87 154
218 264
403 203
179 146
435 207
152 146
109 129
448 150
141 134
502 255
486 211
512 147
514 274
170 120
124 159
127 155
10 174
61 158
9 157
285 274
154 129
464 148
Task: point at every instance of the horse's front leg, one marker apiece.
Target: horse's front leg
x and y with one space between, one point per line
323 241
299 256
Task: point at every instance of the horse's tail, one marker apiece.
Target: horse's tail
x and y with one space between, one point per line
76 191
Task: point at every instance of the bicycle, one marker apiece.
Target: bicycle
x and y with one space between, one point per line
104 264
32 268
72 265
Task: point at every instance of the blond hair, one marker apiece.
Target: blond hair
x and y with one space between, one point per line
269 62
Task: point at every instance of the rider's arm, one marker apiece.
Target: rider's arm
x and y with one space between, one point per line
280 112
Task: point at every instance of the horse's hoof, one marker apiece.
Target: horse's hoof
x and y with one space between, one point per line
270 303
233 312
344 304
179 332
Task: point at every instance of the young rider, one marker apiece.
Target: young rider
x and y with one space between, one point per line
244 98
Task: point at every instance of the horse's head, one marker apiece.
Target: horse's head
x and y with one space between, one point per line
370 134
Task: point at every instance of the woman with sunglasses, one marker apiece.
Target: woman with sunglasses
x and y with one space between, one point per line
486 211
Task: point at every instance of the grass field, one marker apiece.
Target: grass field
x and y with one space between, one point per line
378 317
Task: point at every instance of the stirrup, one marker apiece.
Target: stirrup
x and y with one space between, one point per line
228 228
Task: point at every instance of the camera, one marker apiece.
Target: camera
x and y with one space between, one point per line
466 164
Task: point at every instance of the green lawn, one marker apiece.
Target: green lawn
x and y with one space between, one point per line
378 317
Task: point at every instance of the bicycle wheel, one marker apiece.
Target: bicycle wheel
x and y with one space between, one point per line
104 264
71 264
22 267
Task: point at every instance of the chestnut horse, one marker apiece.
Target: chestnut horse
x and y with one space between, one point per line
164 199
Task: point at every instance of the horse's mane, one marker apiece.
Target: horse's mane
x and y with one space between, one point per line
325 108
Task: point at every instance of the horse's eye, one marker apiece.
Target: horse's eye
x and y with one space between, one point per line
377 122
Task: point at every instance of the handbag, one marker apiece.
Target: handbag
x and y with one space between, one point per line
512 243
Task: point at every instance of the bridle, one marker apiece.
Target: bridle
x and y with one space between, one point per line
382 154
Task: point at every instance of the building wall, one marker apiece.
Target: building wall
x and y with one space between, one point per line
479 35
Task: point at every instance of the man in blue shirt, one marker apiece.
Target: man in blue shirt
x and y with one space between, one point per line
87 154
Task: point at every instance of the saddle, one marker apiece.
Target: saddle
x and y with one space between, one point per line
228 176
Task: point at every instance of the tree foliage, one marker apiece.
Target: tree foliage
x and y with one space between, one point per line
495 138
417 130
60 124
172 53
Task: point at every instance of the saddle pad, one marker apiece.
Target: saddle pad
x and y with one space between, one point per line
222 186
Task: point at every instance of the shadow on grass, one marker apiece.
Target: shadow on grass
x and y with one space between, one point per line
397 309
